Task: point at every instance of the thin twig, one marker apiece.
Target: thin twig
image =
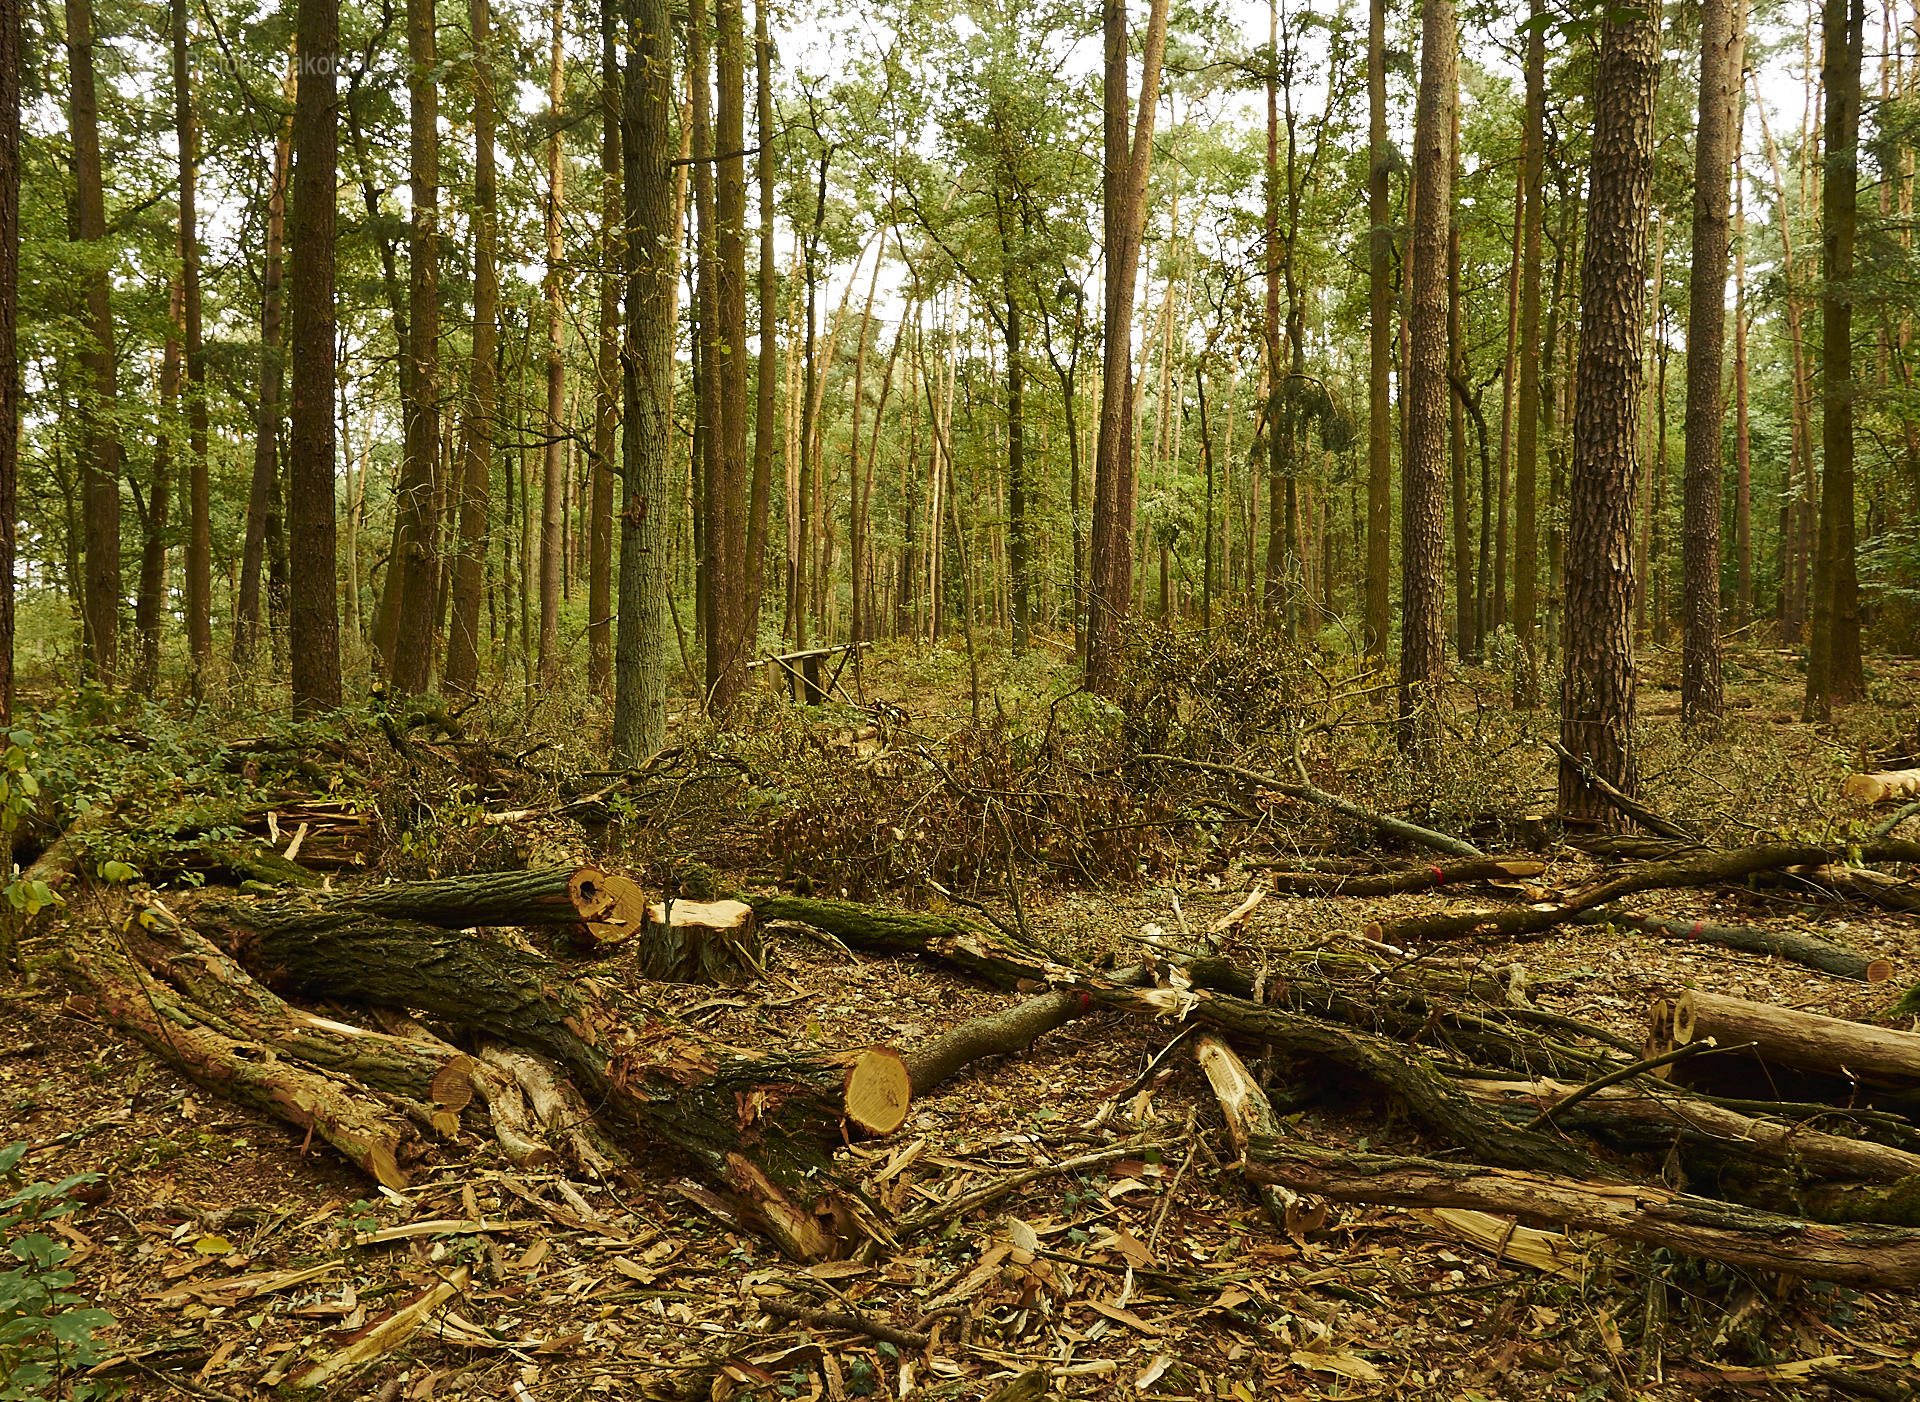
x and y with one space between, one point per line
854 1323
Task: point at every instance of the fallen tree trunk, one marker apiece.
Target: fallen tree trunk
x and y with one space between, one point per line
761 1124
371 1133
958 943
1634 1112
996 1034
1807 1041
1868 790
1388 1066
1429 878
1801 948
552 896
1870 1257
1307 793
1709 868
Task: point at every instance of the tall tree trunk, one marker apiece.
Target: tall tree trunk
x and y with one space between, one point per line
1019 529
1596 710
149 601
1526 540
1124 197
552 478
646 514
704 271
199 580
477 428
769 286
1834 672
1465 622
1379 612
9 333
313 616
1423 513
1274 409
728 362
1702 697
606 419
1742 438
1499 618
100 472
416 568
266 425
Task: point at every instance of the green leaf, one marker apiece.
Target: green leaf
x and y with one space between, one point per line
118 871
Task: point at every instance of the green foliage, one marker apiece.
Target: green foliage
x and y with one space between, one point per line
46 1329
19 796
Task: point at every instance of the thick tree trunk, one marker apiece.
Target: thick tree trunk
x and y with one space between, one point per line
314 620
413 573
1859 1051
1834 672
554 896
100 470
727 363
1596 711
763 1125
1702 696
1423 471
477 428
640 641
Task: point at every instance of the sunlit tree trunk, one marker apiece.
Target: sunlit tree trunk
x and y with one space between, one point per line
1596 709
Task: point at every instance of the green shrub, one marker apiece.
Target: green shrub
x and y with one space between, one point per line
46 1330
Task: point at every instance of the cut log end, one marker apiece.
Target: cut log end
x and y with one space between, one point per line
1879 971
878 1091
591 892
623 909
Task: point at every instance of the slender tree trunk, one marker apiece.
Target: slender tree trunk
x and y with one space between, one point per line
766 373
1834 671
1500 617
100 471
150 599
1124 211
553 476
314 621
1702 697
1019 528
266 428
1596 711
416 569
9 332
1742 437
199 573
477 429
728 360
1379 342
606 420
646 517
1423 513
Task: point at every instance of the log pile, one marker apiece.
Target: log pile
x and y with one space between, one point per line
470 1030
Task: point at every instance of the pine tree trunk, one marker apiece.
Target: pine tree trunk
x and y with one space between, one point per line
646 516
1379 610
1834 672
100 470
477 428
1423 470
1597 704
314 627
606 419
1702 697
415 569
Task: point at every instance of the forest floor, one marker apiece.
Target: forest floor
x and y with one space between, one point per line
228 1249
